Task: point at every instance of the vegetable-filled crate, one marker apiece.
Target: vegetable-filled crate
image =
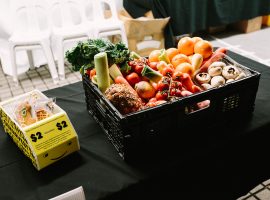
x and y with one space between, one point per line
145 128
142 103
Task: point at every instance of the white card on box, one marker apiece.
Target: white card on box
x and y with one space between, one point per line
76 194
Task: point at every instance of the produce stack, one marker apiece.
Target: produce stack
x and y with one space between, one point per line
132 83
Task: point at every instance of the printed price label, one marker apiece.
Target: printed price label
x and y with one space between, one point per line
61 125
50 134
36 136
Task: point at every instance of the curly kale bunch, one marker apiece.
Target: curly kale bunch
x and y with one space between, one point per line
81 57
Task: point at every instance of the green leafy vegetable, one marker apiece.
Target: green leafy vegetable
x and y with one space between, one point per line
81 56
163 56
125 68
134 55
151 74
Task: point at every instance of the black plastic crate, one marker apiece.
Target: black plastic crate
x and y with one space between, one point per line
135 132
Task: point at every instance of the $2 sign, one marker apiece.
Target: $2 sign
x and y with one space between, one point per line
61 125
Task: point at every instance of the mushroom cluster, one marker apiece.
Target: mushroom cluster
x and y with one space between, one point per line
218 74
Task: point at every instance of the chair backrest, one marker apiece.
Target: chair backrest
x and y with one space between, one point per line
107 5
29 15
90 8
66 13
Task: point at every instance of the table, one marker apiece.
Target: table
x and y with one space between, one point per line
190 16
224 164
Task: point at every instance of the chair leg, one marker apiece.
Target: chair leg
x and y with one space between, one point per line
51 64
124 36
13 63
60 58
30 59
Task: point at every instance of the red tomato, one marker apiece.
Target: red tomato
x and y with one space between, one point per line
92 73
172 92
163 84
177 76
178 93
175 92
132 64
162 95
133 78
139 68
87 72
153 65
176 85
167 71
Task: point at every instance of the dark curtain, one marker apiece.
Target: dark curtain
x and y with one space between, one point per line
189 16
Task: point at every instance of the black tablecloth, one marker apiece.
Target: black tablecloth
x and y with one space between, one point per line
215 164
189 16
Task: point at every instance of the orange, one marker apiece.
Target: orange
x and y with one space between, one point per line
178 59
153 56
204 48
185 68
186 46
171 52
196 39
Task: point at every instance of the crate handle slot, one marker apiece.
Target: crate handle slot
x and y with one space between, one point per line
197 107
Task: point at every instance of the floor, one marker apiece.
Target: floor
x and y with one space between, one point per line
38 78
255 45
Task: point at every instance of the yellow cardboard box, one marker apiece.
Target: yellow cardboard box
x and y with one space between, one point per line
266 20
43 142
144 34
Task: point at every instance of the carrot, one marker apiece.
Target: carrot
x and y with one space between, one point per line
219 50
121 80
187 82
216 56
196 89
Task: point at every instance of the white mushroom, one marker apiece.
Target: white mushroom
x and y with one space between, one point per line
206 86
217 81
229 80
241 75
215 69
230 72
203 78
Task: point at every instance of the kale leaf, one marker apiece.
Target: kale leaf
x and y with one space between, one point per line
81 56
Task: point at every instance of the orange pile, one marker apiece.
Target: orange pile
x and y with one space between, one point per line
180 57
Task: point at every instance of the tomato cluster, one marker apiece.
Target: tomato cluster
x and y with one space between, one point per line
138 64
134 75
168 87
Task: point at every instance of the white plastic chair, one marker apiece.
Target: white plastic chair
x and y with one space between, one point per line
109 26
31 31
69 25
